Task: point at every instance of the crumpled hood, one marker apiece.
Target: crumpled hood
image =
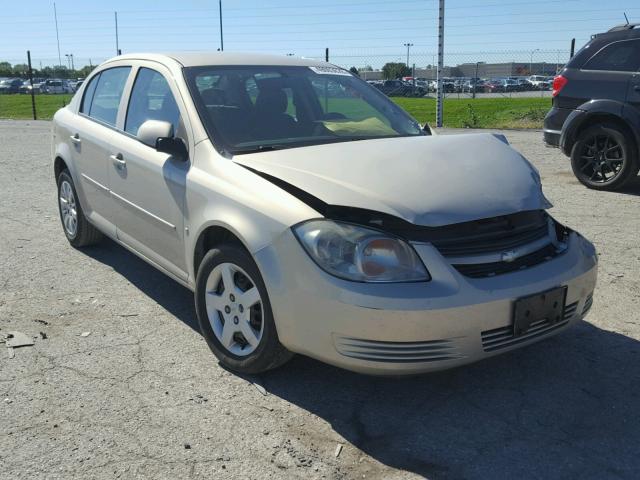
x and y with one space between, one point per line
430 180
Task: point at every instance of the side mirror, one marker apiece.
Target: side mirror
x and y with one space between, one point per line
151 130
159 135
174 146
428 130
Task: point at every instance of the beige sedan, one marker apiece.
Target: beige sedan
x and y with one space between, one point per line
309 214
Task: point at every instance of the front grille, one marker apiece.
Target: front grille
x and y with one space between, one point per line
481 270
503 337
492 234
398 352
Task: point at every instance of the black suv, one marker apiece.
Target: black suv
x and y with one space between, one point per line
595 118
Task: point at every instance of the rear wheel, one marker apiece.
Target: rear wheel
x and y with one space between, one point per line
77 228
603 157
234 312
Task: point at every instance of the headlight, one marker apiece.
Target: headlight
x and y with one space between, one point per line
360 254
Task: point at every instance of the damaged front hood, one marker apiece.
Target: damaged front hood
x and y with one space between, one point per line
426 180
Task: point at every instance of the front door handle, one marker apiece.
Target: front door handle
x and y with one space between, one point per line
118 161
636 88
75 138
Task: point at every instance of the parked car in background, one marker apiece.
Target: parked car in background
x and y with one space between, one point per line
539 82
341 230
595 115
11 85
501 85
54 85
399 88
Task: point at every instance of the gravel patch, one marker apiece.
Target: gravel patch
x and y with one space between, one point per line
120 384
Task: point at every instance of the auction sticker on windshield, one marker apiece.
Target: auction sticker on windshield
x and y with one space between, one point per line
330 71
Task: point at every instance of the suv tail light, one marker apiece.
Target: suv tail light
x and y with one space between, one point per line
558 84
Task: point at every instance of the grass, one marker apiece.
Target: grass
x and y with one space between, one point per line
458 113
480 112
18 107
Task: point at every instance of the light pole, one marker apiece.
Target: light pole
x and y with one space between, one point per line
531 60
408 45
220 16
68 55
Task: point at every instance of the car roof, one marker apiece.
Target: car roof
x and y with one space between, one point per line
195 59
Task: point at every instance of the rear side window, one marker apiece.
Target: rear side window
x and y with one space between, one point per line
623 56
151 99
106 95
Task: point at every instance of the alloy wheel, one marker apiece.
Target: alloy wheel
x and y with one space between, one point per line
601 159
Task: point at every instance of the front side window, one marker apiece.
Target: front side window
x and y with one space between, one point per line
108 92
151 99
256 108
622 56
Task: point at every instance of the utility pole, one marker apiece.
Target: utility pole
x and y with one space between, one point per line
440 96
115 14
55 16
221 36
33 99
408 45
531 60
474 84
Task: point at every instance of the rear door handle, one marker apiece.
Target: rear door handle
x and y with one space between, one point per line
118 161
75 138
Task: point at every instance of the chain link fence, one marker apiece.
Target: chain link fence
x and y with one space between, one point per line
403 73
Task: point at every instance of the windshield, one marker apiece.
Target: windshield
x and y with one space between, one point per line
257 108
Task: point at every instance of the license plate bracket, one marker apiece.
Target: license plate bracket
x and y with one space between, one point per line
547 306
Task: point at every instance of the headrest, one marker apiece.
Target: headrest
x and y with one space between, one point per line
272 100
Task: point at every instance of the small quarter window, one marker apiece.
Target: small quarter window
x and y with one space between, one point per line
88 94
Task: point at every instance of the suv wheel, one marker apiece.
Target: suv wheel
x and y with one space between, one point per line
603 157
77 229
234 312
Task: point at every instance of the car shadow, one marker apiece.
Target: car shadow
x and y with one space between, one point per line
632 187
168 293
566 407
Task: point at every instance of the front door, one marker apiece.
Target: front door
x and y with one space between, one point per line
148 186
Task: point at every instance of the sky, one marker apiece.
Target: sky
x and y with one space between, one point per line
357 32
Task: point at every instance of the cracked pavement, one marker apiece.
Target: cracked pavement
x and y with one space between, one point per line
141 396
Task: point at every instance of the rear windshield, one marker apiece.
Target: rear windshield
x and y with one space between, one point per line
256 108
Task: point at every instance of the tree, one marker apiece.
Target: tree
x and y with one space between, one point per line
367 68
393 70
354 70
5 69
21 70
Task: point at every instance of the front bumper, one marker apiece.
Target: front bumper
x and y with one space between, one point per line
410 328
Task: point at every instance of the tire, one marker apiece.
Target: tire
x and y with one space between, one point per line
218 306
604 157
83 233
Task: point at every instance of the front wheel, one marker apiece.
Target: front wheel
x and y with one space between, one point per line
235 314
603 157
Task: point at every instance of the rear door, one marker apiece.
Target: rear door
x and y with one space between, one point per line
90 138
149 186
633 94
